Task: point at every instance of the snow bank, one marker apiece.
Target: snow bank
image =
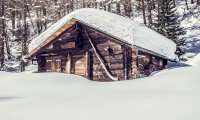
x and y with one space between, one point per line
120 27
173 94
195 61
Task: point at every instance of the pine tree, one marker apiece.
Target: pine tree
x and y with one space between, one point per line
168 23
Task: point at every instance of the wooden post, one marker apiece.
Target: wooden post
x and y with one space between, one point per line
87 68
129 63
24 41
68 63
125 65
135 73
63 62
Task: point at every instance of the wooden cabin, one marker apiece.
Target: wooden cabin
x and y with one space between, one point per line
81 43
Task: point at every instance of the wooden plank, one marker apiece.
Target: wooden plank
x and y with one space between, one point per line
99 75
68 45
115 73
87 63
129 63
135 73
111 66
108 44
63 63
69 63
109 59
125 59
69 38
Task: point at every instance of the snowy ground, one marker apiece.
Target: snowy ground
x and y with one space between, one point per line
172 94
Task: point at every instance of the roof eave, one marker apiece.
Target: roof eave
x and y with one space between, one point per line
35 51
50 38
128 44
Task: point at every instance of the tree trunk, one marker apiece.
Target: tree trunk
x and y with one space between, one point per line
118 8
95 4
24 40
143 12
186 4
174 1
198 2
149 13
127 8
2 33
153 4
83 4
1 53
44 14
109 7
104 6
13 15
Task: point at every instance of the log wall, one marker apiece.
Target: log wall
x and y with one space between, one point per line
148 63
79 58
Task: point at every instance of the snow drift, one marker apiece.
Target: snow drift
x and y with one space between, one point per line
172 94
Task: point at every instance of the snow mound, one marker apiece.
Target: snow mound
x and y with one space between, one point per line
172 94
195 61
117 26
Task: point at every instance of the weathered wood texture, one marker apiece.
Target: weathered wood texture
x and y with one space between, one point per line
54 36
148 63
41 64
73 52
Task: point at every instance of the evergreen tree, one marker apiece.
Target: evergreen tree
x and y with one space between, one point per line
167 22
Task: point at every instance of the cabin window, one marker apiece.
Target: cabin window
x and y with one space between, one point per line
49 65
110 51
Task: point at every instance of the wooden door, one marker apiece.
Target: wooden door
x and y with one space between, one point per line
79 64
49 65
53 64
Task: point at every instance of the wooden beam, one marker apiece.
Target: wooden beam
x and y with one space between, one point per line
69 63
88 67
69 38
125 56
101 60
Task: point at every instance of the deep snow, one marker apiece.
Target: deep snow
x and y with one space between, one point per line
172 94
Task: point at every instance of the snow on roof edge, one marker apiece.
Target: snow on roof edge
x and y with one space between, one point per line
113 25
131 45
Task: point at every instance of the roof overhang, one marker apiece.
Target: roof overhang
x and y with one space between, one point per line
52 37
126 43
72 22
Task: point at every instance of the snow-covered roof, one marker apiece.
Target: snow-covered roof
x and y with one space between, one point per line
120 27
